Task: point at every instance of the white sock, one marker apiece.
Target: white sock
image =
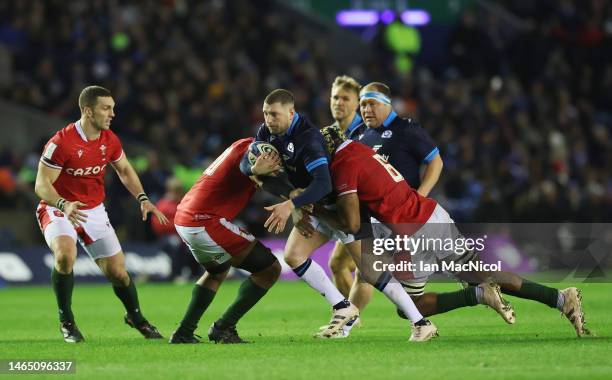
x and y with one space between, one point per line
479 294
396 293
560 301
315 276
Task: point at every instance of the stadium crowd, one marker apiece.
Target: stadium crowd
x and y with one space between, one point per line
521 112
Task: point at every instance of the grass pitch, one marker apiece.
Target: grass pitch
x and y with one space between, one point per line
474 343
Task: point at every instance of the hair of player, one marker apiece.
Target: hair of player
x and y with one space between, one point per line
333 137
280 95
90 94
347 83
378 87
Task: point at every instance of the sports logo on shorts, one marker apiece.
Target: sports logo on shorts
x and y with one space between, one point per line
387 134
290 147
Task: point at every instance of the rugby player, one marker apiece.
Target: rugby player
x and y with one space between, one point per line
70 184
362 177
306 162
204 222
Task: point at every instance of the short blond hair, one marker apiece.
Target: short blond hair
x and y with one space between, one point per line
347 83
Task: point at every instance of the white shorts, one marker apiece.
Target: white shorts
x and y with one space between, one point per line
332 233
96 235
216 241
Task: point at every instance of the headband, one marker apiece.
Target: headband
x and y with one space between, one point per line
376 96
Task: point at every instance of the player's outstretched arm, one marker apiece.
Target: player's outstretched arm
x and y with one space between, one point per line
44 189
130 180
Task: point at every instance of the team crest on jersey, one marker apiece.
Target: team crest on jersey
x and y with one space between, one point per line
103 148
387 134
290 147
80 152
58 213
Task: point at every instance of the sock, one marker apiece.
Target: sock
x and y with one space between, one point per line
396 293
315 276
560 301
62 286
342 304
533 291
129 298
201 298
479 294
248 295
460 298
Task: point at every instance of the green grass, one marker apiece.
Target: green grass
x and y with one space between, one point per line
474 343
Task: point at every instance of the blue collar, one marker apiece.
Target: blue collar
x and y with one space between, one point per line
296 117
389 119
356 121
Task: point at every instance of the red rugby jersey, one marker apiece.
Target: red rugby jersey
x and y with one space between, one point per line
222 191
356 168
82 163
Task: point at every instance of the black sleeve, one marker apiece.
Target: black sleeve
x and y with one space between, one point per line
319 187
279 186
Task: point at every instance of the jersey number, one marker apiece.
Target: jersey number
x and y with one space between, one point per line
397 177
210 170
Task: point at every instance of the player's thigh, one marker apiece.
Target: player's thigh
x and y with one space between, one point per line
60 235
299 248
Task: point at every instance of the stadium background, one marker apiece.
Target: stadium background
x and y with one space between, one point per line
516 94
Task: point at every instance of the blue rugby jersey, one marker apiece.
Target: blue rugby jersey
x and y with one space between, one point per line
356 129
302 149
404 143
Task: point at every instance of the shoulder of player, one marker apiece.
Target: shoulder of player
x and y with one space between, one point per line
406 122
65 133
307 134
407 126
304 125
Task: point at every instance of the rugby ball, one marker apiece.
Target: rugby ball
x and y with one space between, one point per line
257 148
